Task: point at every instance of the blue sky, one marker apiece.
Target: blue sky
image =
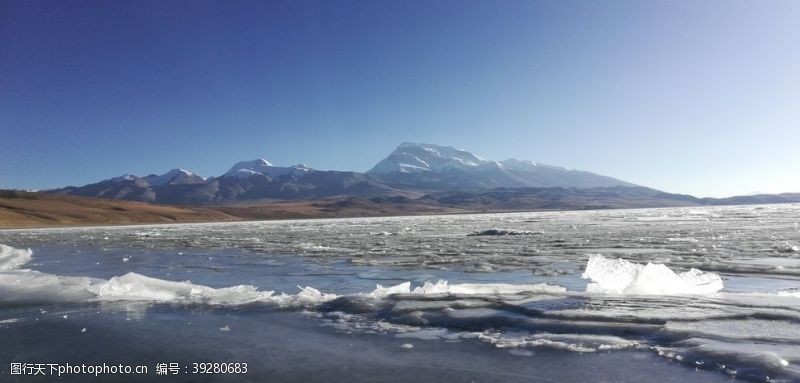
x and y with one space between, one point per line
699 97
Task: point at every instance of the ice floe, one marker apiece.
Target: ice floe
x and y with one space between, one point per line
629 303
11 258
496 231
618 276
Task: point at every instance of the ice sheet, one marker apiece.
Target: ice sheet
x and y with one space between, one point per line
643 292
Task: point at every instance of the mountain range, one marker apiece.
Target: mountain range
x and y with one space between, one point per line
411 170
412 178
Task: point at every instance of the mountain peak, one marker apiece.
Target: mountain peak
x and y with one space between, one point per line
247 168
174 176
411 157
177 171
124 177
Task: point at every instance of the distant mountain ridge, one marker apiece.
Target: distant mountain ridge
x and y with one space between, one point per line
240 184
557 198
411 170
420 173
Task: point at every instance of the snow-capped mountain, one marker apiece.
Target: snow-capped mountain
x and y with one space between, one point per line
443 167
261 166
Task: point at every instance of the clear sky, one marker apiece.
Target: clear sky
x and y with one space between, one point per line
698 97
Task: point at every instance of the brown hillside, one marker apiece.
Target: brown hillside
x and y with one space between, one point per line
24 209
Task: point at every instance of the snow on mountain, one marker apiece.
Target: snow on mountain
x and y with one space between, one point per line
258 166
527 165
124 177
415 158
246 169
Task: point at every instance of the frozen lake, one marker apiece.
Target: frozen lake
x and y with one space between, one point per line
701 294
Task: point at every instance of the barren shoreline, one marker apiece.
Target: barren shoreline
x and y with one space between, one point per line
25 210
